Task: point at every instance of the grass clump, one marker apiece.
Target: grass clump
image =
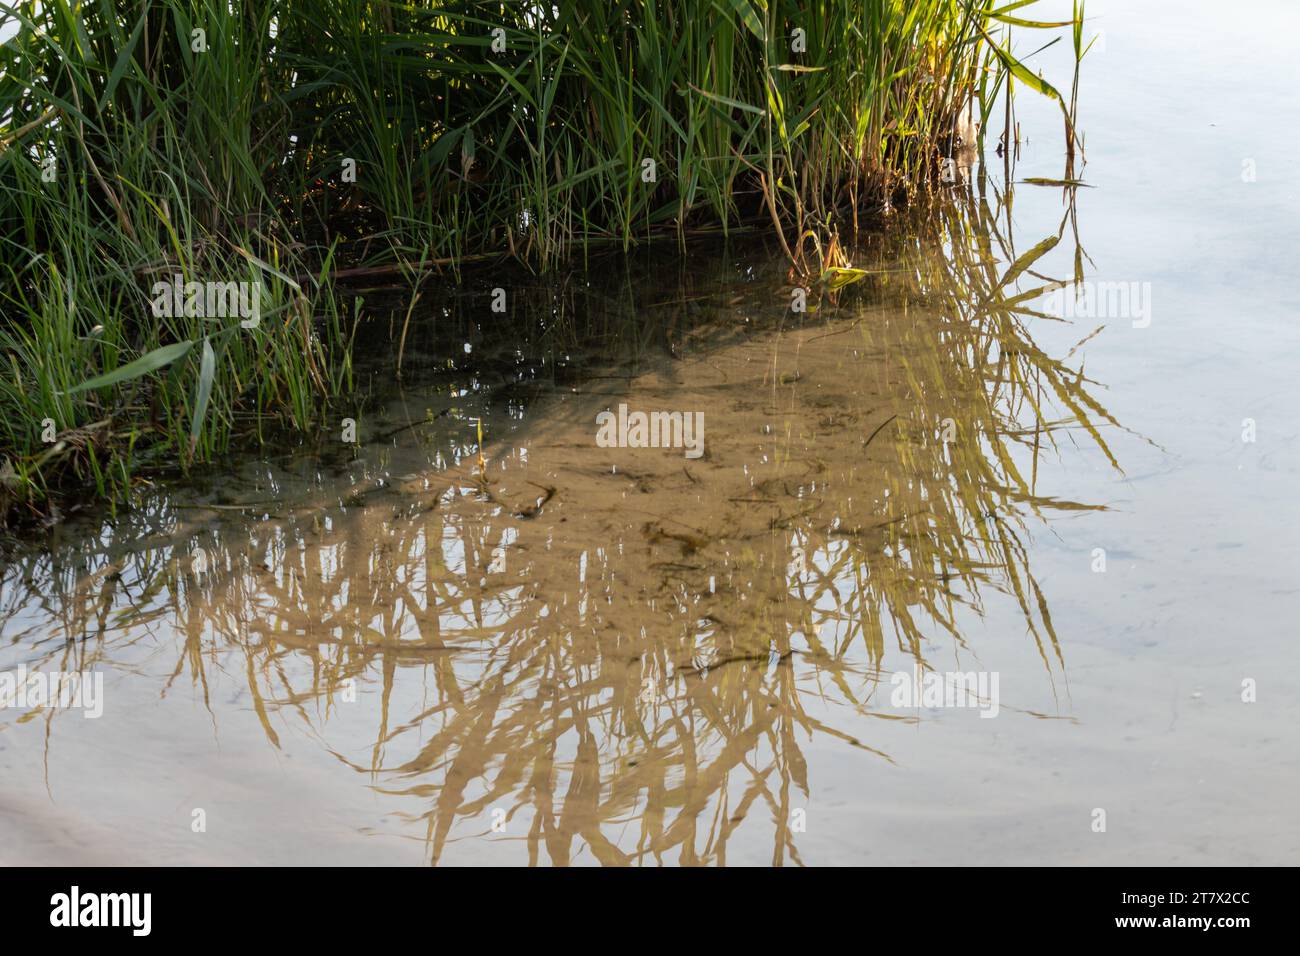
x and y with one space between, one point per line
295 145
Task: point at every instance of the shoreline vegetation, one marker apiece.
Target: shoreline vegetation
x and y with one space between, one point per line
298 149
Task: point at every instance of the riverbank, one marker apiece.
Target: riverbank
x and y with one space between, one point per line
284 151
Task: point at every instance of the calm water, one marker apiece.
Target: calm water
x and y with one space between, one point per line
540 650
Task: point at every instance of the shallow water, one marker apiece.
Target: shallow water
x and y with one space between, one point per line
405 650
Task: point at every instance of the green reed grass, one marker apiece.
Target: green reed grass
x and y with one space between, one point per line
478 130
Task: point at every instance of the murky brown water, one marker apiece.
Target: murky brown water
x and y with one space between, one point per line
541 650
